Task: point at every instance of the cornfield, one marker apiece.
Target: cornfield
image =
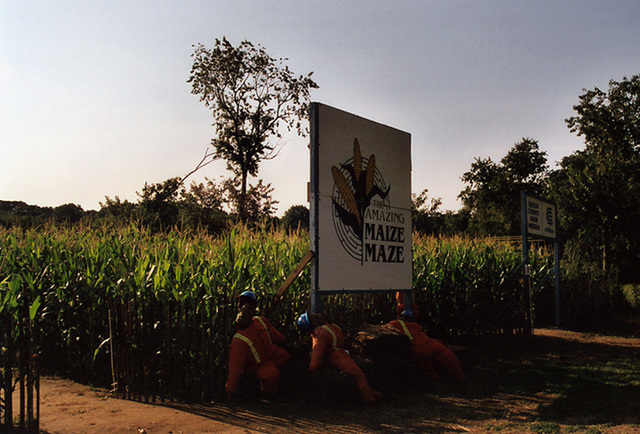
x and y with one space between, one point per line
152 314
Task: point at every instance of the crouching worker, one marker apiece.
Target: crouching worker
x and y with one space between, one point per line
328 345
252 352
276 339
434 359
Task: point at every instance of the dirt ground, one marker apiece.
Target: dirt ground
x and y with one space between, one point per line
536 385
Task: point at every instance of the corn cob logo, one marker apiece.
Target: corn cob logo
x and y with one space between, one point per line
357 185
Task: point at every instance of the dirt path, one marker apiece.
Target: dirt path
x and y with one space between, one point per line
502 395
68 407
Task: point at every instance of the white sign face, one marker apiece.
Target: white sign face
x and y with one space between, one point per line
363 200
541 218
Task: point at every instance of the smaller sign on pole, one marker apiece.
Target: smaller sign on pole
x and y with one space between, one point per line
541 218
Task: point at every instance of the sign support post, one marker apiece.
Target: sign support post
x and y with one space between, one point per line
556 271
315 299
539 218
525 263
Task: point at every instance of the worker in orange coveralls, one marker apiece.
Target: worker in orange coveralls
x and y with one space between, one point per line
400 305
277 339
253 351
434 359
328 344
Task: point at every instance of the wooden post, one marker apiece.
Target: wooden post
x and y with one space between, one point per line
293 276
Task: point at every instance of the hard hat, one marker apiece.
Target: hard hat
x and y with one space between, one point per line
303 323
408 313
248 294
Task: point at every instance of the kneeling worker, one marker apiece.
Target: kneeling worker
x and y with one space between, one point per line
276 339
328 344
252 351
434 359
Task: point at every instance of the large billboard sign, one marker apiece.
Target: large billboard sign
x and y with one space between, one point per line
360 195
540 217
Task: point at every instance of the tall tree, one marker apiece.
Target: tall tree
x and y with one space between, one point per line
253 96
492 197
296 217
425 213
598 189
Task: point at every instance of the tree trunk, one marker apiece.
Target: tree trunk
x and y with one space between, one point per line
242 200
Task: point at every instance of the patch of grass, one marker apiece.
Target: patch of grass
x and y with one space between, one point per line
599 390
631 293
579 384
545 428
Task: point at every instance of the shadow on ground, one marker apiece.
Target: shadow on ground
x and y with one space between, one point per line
560 377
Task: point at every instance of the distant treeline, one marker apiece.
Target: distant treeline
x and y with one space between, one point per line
159 217
17 213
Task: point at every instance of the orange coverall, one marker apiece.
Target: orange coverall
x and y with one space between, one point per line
276 339
328 343
254 351
431 355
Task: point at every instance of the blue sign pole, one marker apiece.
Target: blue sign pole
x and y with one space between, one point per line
316 301
556 270
525 262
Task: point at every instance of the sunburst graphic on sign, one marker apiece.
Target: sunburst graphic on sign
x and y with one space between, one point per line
356 182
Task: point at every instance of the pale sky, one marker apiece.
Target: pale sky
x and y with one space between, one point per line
94 99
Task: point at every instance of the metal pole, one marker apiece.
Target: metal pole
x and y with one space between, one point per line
556 270
316 301
525 260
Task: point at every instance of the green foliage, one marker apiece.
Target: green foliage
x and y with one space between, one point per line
13 213
492 197
159 202
610 121
631 293
424 212
545 428
170 204
296 217
590 299
118 210
473 287
256 202
170 297
178 281
427 219
201 206
68 213
161 207
598 189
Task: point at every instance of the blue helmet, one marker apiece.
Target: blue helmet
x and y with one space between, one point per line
408 313
248 296
303 323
